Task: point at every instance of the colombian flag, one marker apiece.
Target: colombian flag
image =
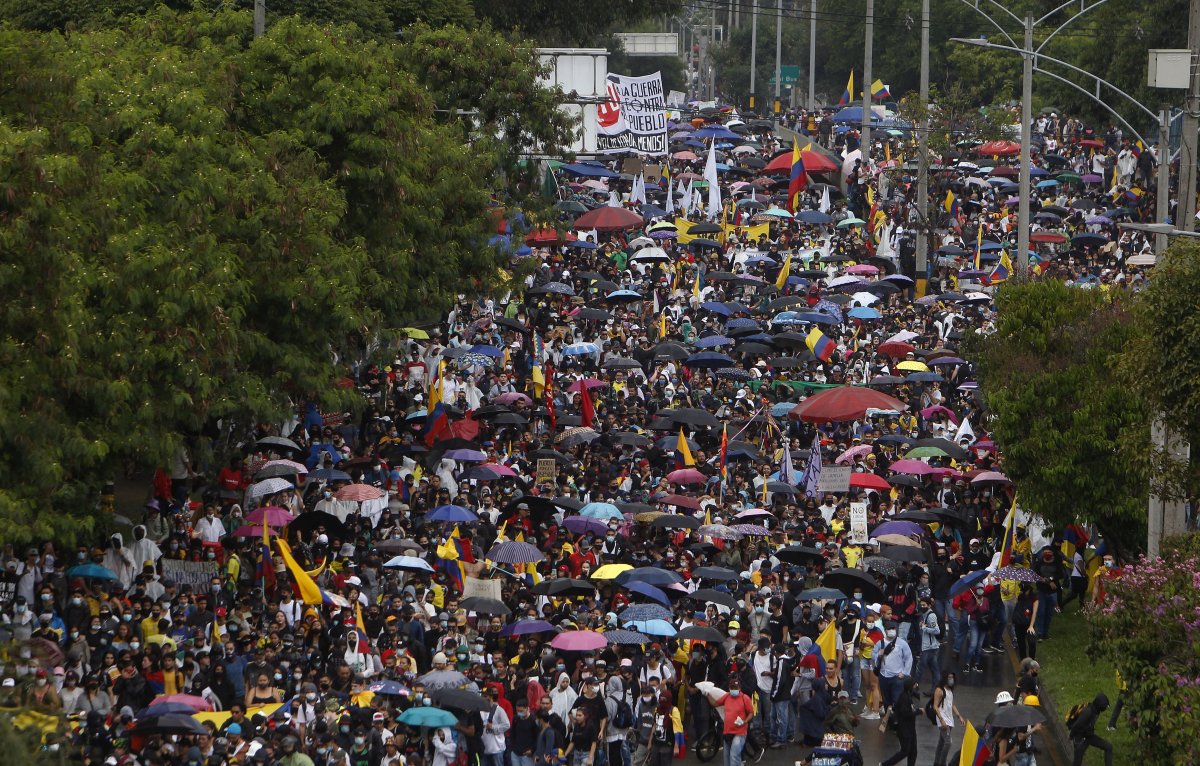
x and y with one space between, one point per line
975 751
452 554
1074 538
879 91
1136 147
950 204
848 95
306 587
437 422
798 179
821 346
784 273
1002 270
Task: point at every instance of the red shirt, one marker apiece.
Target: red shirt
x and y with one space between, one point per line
738 708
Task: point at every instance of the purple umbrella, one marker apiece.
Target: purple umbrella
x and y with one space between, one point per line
1090 178
582 525
525 627
648 590
465 455
897 528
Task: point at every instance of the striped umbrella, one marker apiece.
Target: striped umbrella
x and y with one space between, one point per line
515 553
720 532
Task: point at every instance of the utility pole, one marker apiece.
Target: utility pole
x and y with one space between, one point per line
712 67
753 50
812 57
260 18
869 54
1026 142
1163 196
923 158
1186 220
779 54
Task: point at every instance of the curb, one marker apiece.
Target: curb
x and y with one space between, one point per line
1057 743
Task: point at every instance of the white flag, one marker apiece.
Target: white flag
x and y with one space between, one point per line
812 471
613 199
639 190
965 432
787 473
714 185
685 202
825 206
670 201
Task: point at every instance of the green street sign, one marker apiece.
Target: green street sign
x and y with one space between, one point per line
789 73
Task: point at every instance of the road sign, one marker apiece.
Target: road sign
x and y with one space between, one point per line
789 73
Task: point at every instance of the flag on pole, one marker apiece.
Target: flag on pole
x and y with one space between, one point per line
724 453
979 246
826 205
450 558
798 178
975 751
827 642
1010 524
714 183
964 431
587 408
848 94
812 472
683 455
950 204
638 194
306 588
1001 271
879 91
266 568
821 346
685 198
784 273
787 473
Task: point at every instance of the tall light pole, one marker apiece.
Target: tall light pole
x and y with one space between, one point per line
812 57
923 158
868 55
778 54
753 49
260 18
1023 213
1191 124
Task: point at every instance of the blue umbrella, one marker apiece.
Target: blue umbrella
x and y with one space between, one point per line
742 323
816 317
654 627
93 572
427 717
782 409
734 373
582 244
652 575
712 341
390 688
601 511
451 513
644 612
786 317
580 349
589 171
486 350
716 131
813 216
1047 184
618 295
716 307
864 312
525 627
1037 172
967 581
648 590
708 359
736 307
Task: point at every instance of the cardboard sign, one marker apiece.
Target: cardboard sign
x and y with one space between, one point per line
834 478
473 586
547 469
858 523
194 573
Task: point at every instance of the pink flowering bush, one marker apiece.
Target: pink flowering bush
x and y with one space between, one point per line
1148 624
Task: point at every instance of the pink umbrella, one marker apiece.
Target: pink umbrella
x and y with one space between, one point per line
499 469
512 398
862 268
931 412
852 453
199 704
273 516
358 492
588 383
686 476
751 513
918 467
991 476
684 155
579 641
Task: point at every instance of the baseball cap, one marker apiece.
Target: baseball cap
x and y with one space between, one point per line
234 728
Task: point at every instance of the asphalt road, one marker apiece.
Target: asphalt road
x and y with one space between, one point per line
974 696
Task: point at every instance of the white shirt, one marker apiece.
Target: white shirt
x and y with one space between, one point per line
210 530
495 724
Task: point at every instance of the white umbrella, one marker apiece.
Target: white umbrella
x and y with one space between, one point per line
847 279
268 487
865 299
411 563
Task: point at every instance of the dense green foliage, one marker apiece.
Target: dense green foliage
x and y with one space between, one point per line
1147 625
196 225
1059 409
1162 363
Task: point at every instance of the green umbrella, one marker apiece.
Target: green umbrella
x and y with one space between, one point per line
925 452
1069 178
847 223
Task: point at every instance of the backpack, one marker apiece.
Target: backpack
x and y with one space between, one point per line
1074 716
623 717
930 713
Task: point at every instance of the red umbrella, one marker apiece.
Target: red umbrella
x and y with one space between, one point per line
869 481
608 219
843 403
814 162
543 237
1048 237
896 349
998 148
681 501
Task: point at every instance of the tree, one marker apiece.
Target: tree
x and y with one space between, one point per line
1161 364
570 22
1058 407
1147 626
197 225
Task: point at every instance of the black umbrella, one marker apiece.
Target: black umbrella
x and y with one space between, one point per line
714 573
397 547
510 419
692 416
485 605
715 596
636 508
279 442
511 323
919 516
564 587
799 554
1013 716
671 350
171 723
314 520
676 521
698 633
459 699
596 315
849 581
550 454
620 363
903 553
705 228
569 503
629 438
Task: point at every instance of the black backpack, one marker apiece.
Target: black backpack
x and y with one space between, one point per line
623 717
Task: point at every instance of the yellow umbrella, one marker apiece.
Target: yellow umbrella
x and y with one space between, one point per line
219 717
648 516
415 334
161 640
912 365
610 571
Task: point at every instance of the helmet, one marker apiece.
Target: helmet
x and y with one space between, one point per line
1032 700
1003 698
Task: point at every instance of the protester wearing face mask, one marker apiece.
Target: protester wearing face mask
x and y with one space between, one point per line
739 712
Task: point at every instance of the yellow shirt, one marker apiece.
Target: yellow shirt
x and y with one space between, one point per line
853 555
